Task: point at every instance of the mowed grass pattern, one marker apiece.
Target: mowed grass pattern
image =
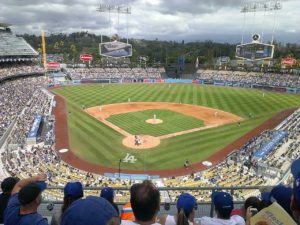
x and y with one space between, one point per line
134 123
99 144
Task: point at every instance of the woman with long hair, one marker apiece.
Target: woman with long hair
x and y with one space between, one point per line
186 208
72 192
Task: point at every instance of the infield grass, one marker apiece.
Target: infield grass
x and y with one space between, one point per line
134 122
99 144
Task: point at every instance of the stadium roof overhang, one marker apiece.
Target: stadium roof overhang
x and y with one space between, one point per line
4 25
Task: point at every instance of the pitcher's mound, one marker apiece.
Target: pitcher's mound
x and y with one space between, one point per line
145 141
154 121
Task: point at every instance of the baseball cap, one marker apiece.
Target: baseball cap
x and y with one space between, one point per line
295 168
30 192
73 190
8 184
265 197
107 193
91 210
222 201
186 202
282 195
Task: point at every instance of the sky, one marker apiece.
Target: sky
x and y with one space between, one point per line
175 20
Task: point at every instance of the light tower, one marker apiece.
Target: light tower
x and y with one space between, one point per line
115 48
257 49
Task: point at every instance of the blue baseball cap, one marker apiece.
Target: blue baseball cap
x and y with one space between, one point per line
91 210
265 197
186 202
295 168
107 193
222 201
282 195
73 189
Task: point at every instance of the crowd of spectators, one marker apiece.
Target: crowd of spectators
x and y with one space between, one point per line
260 78
115 73
22 199
15 70
14 96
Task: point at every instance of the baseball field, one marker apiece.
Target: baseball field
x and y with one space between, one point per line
185 121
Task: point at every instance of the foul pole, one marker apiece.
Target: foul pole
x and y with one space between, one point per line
44 53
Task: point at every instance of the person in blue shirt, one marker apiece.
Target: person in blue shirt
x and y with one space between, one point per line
24 202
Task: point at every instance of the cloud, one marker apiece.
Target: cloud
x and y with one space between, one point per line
168 20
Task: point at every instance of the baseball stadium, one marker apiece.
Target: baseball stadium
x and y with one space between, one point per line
101 112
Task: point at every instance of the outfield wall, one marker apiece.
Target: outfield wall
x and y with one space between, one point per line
182 81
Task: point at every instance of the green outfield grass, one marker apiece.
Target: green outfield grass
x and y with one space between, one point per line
134 123
99 144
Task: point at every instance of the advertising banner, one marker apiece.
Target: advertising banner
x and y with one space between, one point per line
288 61
271 145
35 127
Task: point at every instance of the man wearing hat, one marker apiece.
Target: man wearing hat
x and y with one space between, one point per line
295 201
24 202
91 210
7 186
223 203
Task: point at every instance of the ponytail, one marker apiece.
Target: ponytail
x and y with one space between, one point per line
181 218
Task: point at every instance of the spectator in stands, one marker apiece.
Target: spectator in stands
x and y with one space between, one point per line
72 192
295 201
108 194
223 203
24 202
252 202
282 195
7 186
91 210
186 206
127 213
145 202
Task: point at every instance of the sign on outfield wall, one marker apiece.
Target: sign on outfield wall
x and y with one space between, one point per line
115 49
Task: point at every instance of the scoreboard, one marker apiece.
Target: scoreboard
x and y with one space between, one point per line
254 51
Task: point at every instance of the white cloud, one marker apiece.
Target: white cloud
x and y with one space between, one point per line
171 20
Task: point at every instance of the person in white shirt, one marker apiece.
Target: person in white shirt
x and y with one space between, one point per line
186 207
223 203
145 203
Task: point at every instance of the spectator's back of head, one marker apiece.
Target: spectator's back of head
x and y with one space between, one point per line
186 205
8 184
107 193
145 200
31 193
282 195
89 211
72 192
186 202
254 202
223 203
295 202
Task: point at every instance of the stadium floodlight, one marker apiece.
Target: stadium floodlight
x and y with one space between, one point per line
122 9
258 6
